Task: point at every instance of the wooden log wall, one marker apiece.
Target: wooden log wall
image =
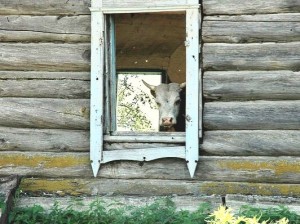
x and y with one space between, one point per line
251 85
251 142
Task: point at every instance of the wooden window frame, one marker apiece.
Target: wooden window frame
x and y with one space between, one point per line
102 65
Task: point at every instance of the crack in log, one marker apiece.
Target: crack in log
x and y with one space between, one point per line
35 31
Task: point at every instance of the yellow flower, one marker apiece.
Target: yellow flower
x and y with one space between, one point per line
225 216
283 221
239 219
222 216
253 220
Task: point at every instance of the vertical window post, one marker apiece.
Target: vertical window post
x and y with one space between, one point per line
192 90
97 70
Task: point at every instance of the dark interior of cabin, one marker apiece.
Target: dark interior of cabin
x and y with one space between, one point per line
151 41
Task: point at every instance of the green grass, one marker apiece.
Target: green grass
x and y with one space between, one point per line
161 212
270 214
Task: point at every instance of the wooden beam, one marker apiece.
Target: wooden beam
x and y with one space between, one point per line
256 56
254 115
251 85
44 113
70 89
53 7
146 138
217 168
251 143
26 28
28 139
236 7
255 28
139 6
215 143
44 75
188 202
192 89
152 187
97 86
45 56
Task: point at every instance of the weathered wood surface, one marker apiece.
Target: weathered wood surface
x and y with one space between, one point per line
190 203
71 89
281 17
45 28
8 186
236 201
253 115
75 7
235 169
235 7
135 4
251 85
220 143
254 28
45 56
59 140
44 113
146 137
151 187
224 86
74 114
254 56
44 75
37 7
23 139
251 142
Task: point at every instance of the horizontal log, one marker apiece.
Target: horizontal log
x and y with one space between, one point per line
251 143
162 137
45 28
44 113
122 6
220 143
45 56
235 169
22 139
254 115
53 7
235 7
251 85
29 36
42 75
265 56
235 202
281 17
247 29
59 140
151 187
72 89
190 203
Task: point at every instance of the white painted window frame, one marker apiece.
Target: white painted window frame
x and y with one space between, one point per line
189 152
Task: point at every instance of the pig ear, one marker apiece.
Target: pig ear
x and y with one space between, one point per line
182 85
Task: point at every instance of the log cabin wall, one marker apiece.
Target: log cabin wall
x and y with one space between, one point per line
251 86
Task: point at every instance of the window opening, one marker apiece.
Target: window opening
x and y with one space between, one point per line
141 41
136 109
104 80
